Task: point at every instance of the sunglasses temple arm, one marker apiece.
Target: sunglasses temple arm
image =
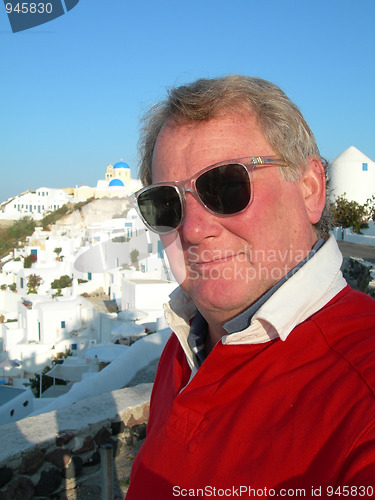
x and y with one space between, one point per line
133 201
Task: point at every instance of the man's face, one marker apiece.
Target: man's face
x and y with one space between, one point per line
227 263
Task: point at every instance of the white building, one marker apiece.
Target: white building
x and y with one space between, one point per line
35 204
353 173
146 295
45 327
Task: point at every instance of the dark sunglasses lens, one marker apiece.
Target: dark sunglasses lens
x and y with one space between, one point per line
160 207
225 189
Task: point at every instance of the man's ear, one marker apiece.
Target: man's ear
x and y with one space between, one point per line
314 188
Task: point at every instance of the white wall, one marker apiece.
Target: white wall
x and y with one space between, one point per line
28 319
360 239
8 303
12 335
368 238
16 408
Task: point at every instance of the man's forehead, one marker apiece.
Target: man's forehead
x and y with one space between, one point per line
227 119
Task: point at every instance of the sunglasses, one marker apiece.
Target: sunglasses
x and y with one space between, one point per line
223 189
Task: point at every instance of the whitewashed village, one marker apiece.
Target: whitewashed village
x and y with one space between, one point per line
101 284
90 305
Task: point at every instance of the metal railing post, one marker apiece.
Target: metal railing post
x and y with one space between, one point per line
106 455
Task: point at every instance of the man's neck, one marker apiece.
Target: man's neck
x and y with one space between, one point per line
213 337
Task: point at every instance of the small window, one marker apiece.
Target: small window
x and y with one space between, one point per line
62 324
25 403
364 167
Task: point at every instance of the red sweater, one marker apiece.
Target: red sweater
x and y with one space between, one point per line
298 414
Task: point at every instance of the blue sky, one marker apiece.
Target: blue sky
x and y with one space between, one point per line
73 89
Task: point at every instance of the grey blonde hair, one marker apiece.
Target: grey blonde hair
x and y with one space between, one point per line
282 123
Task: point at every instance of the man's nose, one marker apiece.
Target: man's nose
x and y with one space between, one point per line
198 223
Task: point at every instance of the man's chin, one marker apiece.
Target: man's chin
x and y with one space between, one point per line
220 297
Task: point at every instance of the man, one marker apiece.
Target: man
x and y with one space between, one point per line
266 386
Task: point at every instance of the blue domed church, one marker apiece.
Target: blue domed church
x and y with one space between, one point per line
118 175
117 183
